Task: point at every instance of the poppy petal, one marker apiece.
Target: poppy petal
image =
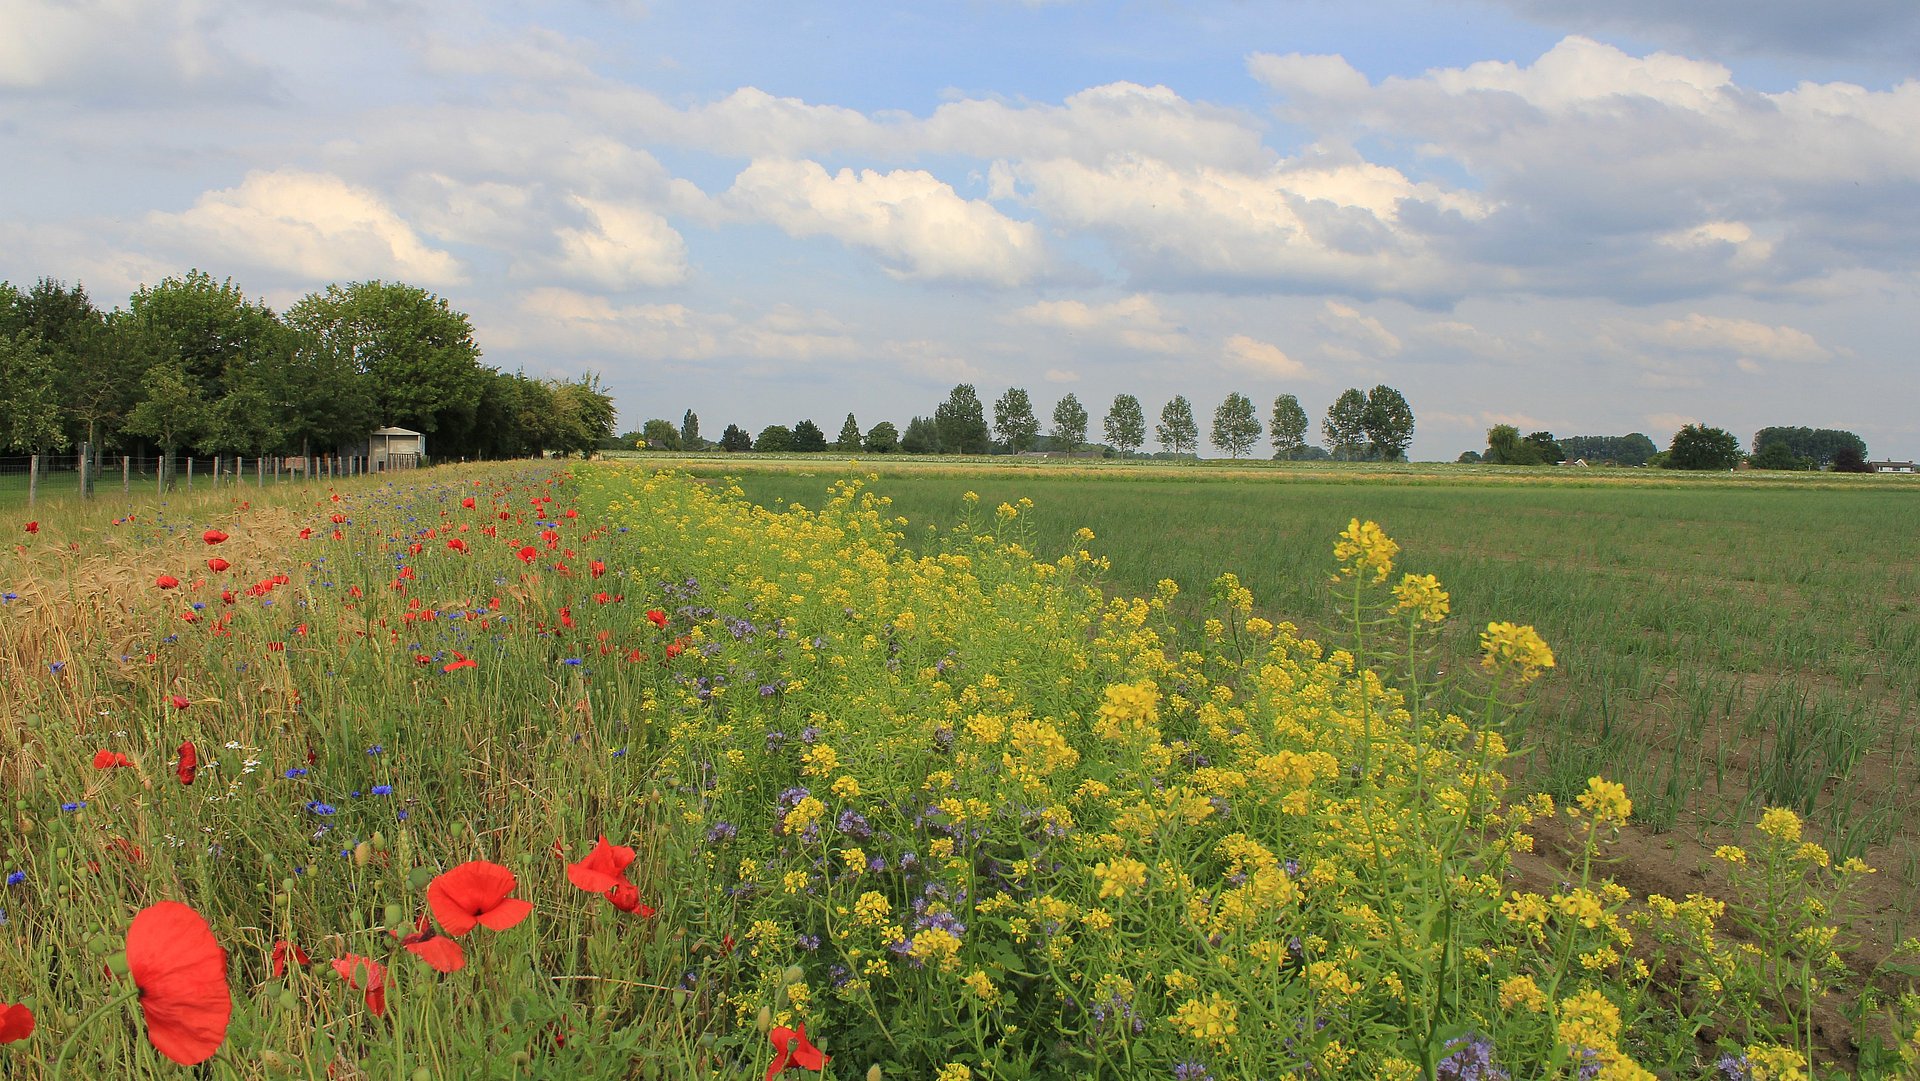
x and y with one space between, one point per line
603 869
506 914
16 1023
439 951
467 896
181 971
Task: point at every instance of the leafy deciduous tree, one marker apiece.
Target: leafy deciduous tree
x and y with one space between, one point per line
1345 426
1069 424
808 438
1177 431
1289 427
774 437
660 434
962 423
1126 424
1388 421
882 438
1013 420
1697 446
1235 427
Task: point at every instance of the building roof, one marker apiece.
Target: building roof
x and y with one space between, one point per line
396 431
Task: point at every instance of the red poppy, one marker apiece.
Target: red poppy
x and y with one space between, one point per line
283 950
110 760
189 761
437 950
656 617
795 1053
306 534
603 869
16 1023
213 536
32 527
180 701
476 894
182 975
467 502
528 553
125 847
458 545
461 661
167 581
216 564
365 974
625 896
596 568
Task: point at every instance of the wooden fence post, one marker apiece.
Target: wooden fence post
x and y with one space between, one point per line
126 474
33 479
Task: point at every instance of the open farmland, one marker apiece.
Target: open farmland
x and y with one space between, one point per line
508 772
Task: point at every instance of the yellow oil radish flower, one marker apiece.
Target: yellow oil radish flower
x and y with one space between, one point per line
1421 594
1780 824
1606 801
1120 876
1521 991
1364 549
1212 1020
1513 646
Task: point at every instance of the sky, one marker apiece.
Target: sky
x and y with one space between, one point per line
1591 217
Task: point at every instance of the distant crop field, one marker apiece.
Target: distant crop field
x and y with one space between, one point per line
1725 642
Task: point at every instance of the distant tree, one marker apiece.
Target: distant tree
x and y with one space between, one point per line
29 407
1289 427
94 379
735 439
962 423
172 407
631 440
1235 427
1469 457
1631 450
1126 424
921 437
690 431
1505 447
1177 431
1345 426
774 438
1697 446
1069 424
1817 444
808 438
1546 447
1388 422
660 435
1779 456
882 438
583 414
1013 420
849 440
1848 459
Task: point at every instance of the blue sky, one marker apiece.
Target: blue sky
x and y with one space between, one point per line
1588 216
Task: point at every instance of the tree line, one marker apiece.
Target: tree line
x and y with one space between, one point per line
1374 425
192 364
1694 446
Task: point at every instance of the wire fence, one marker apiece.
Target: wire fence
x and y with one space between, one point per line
26 479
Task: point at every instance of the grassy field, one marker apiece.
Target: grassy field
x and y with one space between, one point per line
1725 643
516 771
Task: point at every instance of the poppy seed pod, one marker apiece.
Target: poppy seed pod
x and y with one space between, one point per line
763 1021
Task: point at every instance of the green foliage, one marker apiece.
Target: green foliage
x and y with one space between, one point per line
1850 460
1013 420
1388 422
1177 431
735 439
1288 427
1235 427
962 423
921 437
1506 447
659 434
1069 424
172 409
1697 446
774 438
1469 457
1779 455
1345 427
29 408
1817 445
849 440
1126 424
882 438
808 438
690 431
583 414
1629 450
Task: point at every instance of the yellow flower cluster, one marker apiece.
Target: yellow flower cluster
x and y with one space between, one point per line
1509 646
1364 550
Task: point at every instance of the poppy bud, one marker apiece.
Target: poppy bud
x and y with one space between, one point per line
763 1020
681 997
118 963
873 1072
362 854
378 841
421 1073
289 999
419 877
394 915
518 1008
794 974
520 1058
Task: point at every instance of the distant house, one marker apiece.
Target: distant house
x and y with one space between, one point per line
1890 467
389 448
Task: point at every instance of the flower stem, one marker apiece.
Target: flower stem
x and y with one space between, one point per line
60 1064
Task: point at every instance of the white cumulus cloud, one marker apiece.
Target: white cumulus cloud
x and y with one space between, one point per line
627 246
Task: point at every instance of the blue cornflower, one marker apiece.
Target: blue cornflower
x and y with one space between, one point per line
321 808
383 790
56 666
295 772
14 878
74 805
376 749
9 597
575 661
